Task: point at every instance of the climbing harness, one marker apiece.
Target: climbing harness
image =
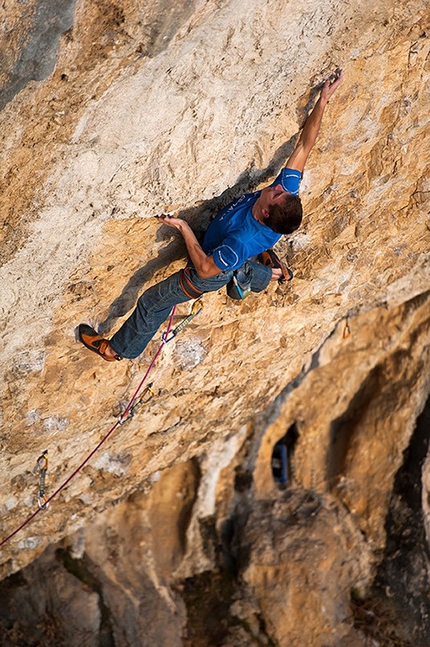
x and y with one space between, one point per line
42 467
195 309
130 407
187 285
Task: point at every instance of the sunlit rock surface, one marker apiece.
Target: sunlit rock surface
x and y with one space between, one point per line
175 532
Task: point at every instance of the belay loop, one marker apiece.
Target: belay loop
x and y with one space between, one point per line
42 467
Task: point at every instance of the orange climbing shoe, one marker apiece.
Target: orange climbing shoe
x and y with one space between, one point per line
270 259
95 342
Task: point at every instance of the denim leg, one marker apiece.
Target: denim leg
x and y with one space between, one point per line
154 307
261 276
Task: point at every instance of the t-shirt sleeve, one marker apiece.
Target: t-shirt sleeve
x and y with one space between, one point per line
230 255
290 180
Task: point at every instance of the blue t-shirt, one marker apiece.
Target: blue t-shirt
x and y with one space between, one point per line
234 235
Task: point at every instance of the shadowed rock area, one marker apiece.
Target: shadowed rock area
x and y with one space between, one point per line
36 44
177 531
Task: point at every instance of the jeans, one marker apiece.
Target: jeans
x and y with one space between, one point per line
155 304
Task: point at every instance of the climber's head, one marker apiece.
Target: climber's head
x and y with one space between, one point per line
279 209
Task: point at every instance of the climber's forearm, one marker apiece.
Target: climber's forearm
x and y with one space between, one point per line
204 265
308 136
312 126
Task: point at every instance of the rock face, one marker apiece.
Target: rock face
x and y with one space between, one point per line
175 532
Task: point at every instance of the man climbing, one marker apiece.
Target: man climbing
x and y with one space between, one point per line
245 228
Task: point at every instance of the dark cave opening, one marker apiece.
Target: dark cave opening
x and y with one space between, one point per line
282 457
342 430
399 600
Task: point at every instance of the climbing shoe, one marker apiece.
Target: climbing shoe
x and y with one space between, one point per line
270 259
95 342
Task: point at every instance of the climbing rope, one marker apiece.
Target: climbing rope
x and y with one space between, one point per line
124 417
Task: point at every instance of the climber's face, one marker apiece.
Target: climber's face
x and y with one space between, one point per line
271 195
275 194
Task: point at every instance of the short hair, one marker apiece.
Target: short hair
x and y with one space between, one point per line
287 217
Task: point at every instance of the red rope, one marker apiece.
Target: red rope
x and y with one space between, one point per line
103 440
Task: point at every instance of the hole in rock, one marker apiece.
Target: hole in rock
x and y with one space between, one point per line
282 457
344 428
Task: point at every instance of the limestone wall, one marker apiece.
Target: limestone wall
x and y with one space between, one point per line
154 107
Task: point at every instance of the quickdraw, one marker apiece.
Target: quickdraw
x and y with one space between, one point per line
42 467
195 309
129 413
310 497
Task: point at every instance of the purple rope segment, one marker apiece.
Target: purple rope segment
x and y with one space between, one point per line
103 440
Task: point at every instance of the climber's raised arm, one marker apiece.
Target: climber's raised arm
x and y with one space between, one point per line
312 125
